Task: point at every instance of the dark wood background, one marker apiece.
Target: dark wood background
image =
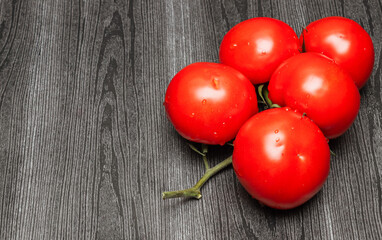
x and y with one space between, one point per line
86 148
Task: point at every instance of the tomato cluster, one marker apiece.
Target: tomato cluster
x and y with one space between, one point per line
309 85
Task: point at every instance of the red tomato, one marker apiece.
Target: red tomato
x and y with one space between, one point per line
281 158
257 46
312 83
345 41
208 102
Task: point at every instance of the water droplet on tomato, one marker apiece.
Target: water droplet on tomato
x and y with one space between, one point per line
277 139
302 158
215 82
287 109
204 101
276 131
233 46
292 128
248 43
364 49
223 123
230 117
263 52
215 133
192 114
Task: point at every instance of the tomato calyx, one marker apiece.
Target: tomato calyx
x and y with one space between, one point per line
194 192
263 92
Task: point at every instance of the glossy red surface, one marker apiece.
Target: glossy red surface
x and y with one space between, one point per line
209 102
346 42
313 84
257 46
281 158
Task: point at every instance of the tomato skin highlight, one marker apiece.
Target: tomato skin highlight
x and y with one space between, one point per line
345 41
257 46
313 84
208 102
281 158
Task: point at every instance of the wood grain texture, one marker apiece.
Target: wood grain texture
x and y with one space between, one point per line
86 149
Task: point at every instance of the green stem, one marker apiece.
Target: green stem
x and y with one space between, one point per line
263 93
332 153
194 192
260 92
268 101
204 156
195 149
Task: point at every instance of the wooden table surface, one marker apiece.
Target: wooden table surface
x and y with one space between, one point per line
86 148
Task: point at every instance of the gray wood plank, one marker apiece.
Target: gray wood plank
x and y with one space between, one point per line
86 148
